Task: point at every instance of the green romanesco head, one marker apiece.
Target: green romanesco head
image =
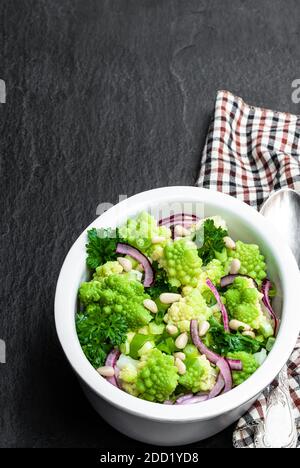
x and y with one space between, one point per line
140 231
128 368
157 376
243 303
252 262
108 268
199 376
214 271
250 365
192 306
89 292
118 294
182 263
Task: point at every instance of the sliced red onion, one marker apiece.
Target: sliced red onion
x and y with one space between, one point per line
217 388
194 399
266 301
181 399
168 402
220 304
117 373
111 361
112 357
127 249
229 279
211 356
183 219
235 364
225 371
113 381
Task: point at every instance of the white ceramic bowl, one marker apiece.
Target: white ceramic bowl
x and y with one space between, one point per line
173 425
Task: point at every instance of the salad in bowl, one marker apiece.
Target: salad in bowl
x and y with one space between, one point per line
175 311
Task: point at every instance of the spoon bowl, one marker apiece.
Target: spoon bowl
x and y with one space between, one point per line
283 210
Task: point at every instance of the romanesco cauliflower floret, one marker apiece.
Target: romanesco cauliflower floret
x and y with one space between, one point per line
182 263
199 376
118 294
93 309
250 365
192 306
109 268
140 231
243 303
252 262
157 376
128 368
89 292
214 271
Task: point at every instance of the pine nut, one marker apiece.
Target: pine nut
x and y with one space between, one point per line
229 243
150 305
181 231
236 324
157 239
181 340
180 355
180 366
251 334
171 329
235 266
106 371
166 318
203 328
125 263
169 298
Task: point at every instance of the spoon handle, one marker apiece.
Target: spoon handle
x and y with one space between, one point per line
278 430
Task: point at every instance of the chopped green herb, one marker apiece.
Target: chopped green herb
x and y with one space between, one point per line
161 284
211 239
99 333
101 246
223 342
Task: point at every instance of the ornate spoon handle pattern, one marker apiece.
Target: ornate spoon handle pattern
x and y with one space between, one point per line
278 430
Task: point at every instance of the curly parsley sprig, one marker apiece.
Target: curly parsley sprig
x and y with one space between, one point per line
101 246
99 333
211 239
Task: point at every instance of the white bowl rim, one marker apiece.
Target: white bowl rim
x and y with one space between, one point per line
286 339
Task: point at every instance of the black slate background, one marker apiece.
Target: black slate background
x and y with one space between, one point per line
106 98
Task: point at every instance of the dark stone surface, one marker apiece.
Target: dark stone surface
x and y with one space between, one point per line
106 98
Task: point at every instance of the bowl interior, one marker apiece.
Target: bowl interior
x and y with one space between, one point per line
245 224
238 228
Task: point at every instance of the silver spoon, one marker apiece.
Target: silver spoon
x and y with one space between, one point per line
279 430
283 210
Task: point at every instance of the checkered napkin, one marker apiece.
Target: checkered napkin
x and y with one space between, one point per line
249 153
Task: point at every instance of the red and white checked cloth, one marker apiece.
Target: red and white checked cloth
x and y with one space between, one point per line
249 153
